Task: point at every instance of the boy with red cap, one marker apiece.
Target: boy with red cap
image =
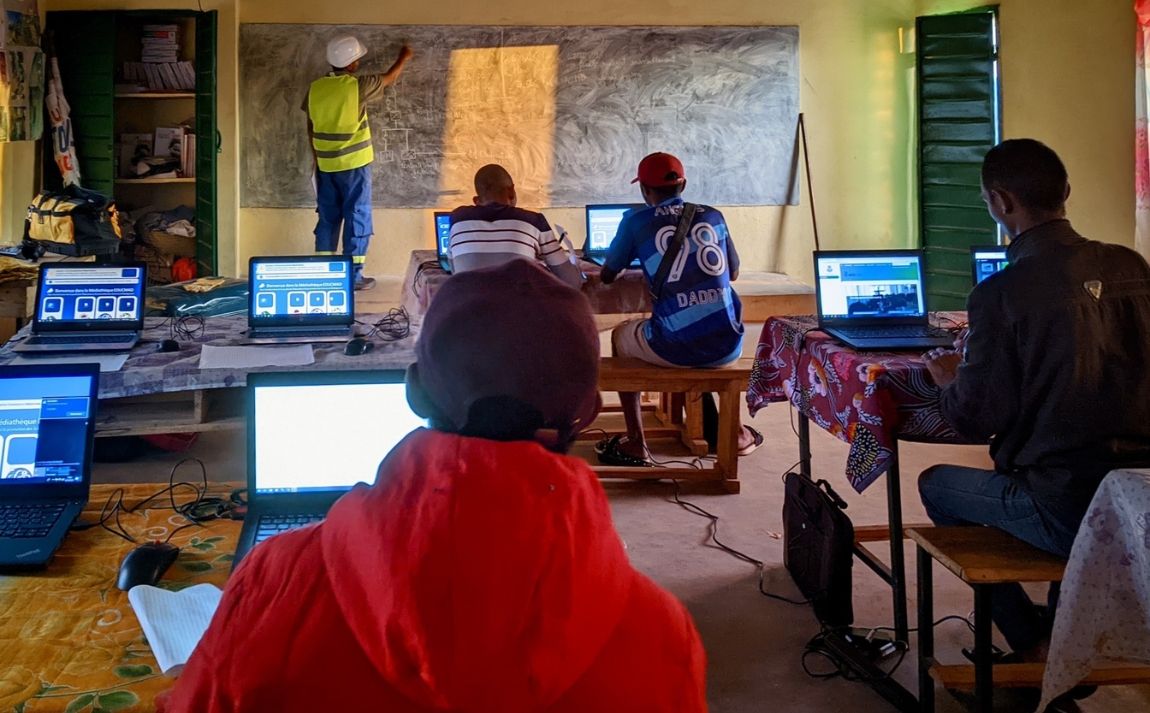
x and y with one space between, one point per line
696 320
481 573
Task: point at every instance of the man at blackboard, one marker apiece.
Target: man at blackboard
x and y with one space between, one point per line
340 136
696 319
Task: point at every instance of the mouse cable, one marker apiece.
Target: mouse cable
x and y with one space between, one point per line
202 508
188 327
391 327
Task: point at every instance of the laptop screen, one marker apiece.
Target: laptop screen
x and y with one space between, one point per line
870 286
602 225
347 430
90 296
987 261
300 290
442 233
45 428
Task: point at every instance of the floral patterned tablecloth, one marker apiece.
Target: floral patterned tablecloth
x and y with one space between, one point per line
627 295
1104 607
868 399
68 638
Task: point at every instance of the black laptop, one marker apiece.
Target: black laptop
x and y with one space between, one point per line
312 436
985 260
300 299
602 226
873 300
443 240
47 425
87 307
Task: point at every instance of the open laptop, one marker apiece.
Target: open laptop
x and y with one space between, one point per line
986 260
311 437
300 299
874 300
47 425
87 307
443 239
602 226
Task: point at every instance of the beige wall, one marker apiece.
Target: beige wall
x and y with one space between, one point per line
1068 80
1067 76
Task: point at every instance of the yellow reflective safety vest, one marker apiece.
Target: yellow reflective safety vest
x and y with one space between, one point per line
340 132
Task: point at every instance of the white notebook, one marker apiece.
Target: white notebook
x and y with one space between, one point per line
174 622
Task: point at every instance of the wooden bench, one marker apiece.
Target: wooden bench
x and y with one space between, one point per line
981 557
680 407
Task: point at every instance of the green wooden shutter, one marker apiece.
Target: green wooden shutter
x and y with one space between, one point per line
207 142
959 121
86 48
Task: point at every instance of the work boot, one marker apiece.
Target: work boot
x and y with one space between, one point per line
364 283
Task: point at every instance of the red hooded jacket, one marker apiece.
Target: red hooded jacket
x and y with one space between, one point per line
474 577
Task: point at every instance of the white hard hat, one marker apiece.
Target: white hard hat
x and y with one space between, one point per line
342 51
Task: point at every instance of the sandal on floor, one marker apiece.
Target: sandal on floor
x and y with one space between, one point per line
609 454
753 446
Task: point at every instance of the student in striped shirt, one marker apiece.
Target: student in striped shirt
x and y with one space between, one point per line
494 231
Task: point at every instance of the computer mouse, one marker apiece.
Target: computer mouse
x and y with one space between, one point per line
169 345
357 346
146 564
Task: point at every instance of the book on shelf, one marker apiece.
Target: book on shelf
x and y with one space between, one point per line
133 149
169 141
188 156
161 77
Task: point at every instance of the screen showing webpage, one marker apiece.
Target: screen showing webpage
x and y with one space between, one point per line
602 226
86 294
988 262
870 287
326 437
281 289
443 232
44 429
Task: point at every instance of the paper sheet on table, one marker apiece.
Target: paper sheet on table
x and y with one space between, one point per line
212 357
174 622
107 362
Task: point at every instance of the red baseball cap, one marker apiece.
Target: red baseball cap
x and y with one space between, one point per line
660 169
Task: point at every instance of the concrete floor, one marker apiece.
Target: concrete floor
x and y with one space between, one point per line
753 644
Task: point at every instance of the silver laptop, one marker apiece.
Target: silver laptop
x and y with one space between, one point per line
47 426
874 300
602 226
986 260
300 299
87 307
311 437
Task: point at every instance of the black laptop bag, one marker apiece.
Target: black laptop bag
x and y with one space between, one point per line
818 547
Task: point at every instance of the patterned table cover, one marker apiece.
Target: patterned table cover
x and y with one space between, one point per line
868 399
1104 607
68 638
150 371
627 295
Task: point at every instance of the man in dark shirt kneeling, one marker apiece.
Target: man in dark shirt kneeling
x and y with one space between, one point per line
1054 371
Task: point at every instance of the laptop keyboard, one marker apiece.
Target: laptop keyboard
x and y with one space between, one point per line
84 339
272 334
901 331
29 519
275 524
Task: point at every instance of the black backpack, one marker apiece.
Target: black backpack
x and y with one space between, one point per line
818 547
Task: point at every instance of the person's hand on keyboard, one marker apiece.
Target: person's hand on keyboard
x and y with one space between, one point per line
942 365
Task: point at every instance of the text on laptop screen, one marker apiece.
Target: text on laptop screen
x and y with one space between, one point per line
870 287
326 437
86 294
442 233
306 287
43 429
602 225
988 262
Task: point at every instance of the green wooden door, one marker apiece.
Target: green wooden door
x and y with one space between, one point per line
959 121
86 44
207 143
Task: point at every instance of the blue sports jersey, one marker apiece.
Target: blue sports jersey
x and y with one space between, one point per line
698 319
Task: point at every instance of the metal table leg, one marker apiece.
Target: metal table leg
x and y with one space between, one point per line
925 631
804 429
897 561
983 652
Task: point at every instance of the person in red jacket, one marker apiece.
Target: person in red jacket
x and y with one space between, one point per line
482 572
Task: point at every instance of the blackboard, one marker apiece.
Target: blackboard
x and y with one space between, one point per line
568 110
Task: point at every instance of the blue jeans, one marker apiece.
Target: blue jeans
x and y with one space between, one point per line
344 199
954 495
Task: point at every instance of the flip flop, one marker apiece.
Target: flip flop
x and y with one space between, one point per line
754 445
608 453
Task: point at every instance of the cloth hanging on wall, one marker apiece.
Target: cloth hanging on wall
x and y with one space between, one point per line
1141 144
21 71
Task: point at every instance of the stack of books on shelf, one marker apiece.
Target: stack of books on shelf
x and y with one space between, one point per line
156 77
161 44
170 152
